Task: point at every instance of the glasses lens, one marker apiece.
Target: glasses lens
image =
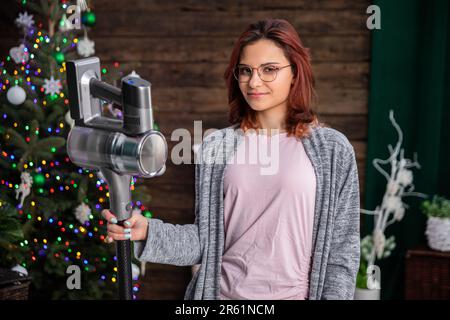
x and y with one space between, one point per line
243 74
268 73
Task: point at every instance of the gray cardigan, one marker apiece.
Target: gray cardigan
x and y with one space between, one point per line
336 237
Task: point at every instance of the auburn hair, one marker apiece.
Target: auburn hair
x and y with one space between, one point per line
300 115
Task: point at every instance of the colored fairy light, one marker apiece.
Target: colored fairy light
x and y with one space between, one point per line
148 214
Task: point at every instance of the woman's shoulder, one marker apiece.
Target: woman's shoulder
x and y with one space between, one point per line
329 138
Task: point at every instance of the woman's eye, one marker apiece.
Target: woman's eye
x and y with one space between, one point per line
245 71
269 69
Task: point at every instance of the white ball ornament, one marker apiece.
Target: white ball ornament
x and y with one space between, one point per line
135 271
16 95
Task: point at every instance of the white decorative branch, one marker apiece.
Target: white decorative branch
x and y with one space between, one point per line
399 185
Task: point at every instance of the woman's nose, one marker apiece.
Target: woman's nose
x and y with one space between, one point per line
255 80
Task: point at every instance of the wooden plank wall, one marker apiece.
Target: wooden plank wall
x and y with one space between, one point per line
183 47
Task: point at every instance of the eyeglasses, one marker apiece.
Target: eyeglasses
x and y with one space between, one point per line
268 73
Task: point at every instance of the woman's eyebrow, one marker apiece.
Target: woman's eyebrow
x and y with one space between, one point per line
243 64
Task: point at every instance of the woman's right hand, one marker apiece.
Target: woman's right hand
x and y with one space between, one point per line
134 229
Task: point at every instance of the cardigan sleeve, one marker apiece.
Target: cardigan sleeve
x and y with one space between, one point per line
167 243
344 256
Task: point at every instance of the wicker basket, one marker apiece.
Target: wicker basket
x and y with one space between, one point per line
13 285
438 233
427 274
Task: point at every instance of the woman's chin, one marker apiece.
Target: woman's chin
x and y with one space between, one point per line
258 106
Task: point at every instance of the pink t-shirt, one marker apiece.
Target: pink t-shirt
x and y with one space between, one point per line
268 220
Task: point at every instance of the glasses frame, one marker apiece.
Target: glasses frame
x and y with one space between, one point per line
258 72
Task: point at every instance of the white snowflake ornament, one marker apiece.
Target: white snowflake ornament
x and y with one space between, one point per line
52 86
82 213
85 47
25 20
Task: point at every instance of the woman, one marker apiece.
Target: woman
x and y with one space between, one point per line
292 233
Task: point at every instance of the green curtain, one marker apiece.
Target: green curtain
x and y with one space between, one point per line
410 74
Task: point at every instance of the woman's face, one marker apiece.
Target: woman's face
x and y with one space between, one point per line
261 95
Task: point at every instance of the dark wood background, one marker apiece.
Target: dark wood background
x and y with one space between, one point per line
183 46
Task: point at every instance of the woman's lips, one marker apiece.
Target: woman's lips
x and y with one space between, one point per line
256 95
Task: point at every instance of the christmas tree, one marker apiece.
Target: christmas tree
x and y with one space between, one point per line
50 208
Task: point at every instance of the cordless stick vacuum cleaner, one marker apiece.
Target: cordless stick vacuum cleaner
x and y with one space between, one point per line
118 148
